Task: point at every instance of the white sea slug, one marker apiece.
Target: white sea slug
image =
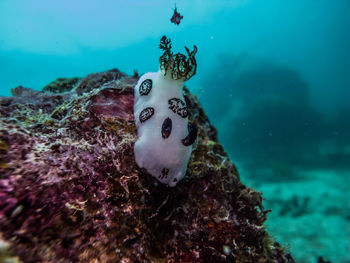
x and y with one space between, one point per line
165 136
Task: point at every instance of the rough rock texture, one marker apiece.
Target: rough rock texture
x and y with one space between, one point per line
70 190
61 85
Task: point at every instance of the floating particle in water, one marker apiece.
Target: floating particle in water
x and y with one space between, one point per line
176 18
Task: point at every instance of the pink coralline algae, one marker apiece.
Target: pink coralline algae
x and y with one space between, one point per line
70 190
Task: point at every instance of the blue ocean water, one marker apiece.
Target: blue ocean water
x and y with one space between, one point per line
273 76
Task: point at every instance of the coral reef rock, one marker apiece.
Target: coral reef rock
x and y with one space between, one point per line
70 190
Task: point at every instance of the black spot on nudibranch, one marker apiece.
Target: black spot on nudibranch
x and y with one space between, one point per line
166 128
145 114
192 135
178 107
183 112
164 173
145 87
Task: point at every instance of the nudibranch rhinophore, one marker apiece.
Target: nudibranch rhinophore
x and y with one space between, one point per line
165 136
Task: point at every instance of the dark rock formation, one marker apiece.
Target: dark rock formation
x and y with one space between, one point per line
70 190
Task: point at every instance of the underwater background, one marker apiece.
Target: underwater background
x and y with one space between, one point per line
273 76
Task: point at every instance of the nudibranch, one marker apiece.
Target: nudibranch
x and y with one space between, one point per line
165 137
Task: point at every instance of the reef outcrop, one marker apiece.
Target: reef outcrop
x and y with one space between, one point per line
70 190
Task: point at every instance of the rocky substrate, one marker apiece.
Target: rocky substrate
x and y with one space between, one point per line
70 190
